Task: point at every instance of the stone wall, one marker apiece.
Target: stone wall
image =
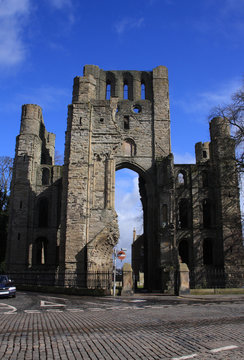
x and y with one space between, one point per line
62 219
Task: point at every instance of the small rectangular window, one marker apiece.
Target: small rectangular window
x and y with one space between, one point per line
126 123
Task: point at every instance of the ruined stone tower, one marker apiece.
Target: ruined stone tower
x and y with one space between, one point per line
63 220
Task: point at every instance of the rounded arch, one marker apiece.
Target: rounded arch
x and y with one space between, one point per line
181 179
146 91
127 86
110 85
134 167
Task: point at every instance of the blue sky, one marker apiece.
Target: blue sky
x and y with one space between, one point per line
44 44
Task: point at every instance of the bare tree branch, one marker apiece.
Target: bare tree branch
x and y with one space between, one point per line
6 164
234 113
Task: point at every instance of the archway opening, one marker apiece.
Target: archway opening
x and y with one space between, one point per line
129 195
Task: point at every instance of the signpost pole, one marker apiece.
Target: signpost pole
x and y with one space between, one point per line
114 287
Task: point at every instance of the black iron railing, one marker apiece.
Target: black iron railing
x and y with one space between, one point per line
213 278
90 280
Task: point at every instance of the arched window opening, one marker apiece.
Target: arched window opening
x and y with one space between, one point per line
43 213
110 85
181 178
183 214
45 176
108 91
143 91
41 251
129 147
208 251
125 91
184 251
129 197
207 213
205 178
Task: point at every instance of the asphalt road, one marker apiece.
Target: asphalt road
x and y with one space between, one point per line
45 326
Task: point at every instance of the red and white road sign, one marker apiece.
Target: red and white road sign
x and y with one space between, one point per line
121 255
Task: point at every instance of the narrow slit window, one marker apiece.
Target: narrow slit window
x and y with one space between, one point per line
125 92
108 91
143 91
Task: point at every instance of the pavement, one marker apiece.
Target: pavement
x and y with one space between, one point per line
144 326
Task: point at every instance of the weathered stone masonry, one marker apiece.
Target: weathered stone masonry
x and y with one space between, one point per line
62 218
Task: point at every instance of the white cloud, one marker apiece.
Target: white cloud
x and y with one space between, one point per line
127 24
185 158
60 4
203 102
13 15
232 6
225 19
45 96
66 5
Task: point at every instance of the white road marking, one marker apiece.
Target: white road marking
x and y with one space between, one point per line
55 310
135 301
75 310
32 311
113 308
94 303
96 309
137 308
54 297
158 307
125 308
7 306
49 303
230 347
185 357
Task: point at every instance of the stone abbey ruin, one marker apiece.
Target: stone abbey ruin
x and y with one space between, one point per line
63 225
